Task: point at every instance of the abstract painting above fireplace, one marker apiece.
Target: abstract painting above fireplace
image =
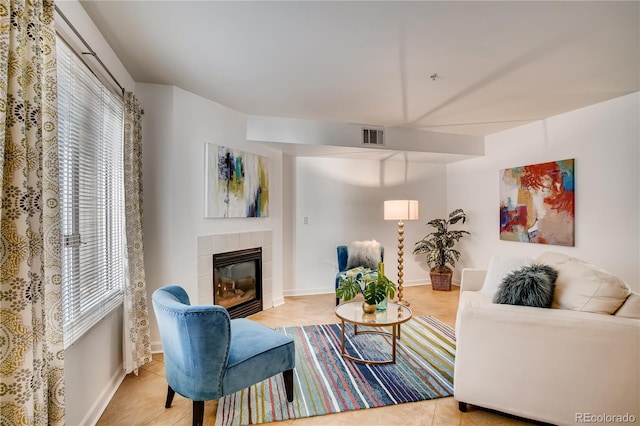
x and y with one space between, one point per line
236 183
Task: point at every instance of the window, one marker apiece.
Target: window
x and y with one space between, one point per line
90 137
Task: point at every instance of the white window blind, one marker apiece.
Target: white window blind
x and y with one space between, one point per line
90 137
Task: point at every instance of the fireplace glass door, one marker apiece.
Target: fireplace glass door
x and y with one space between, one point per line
238 281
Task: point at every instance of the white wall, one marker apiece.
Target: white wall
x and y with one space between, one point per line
604 139
288 221
176 126
93 370
343 200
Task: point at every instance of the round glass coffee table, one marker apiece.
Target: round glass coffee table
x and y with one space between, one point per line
393 317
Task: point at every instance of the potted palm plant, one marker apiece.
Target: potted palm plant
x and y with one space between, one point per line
438 246
374 289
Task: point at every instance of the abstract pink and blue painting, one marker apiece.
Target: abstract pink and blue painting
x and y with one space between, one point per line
237 183
537 203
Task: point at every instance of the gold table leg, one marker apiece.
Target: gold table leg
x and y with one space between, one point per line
395 333
393 342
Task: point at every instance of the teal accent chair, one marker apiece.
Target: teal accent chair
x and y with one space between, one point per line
207 355
343 261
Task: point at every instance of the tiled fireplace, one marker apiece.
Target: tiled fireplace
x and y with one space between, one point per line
208 245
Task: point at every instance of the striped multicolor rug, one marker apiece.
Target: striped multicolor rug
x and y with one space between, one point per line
326 383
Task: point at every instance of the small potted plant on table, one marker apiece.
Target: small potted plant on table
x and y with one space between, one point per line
438 246
374 289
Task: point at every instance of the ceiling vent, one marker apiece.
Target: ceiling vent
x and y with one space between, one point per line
372 136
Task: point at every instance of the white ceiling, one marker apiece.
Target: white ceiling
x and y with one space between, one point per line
498 64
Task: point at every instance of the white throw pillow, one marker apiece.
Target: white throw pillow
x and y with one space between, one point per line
364 253
499 267
630 308
582 286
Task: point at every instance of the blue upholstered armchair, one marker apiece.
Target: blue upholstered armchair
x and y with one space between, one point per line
207 355
343 263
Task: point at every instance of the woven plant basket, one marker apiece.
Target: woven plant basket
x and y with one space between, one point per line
441 281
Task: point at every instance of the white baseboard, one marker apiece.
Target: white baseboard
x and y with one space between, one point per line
103 401
308 292
411 283
277 301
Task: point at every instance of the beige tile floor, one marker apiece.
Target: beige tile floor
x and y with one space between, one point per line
140 399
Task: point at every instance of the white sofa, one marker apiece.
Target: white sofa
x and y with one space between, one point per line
559 366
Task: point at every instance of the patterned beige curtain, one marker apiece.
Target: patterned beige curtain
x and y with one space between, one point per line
137 340
31 345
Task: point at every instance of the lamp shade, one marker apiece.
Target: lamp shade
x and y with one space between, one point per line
401 210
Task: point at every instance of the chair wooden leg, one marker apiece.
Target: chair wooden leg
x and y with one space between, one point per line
170 394
288 384
198 413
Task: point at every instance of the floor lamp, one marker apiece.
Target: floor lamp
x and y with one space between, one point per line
401 210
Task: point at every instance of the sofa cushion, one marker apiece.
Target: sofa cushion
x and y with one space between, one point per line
499 267
582 286
364 253
529 286
630 308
